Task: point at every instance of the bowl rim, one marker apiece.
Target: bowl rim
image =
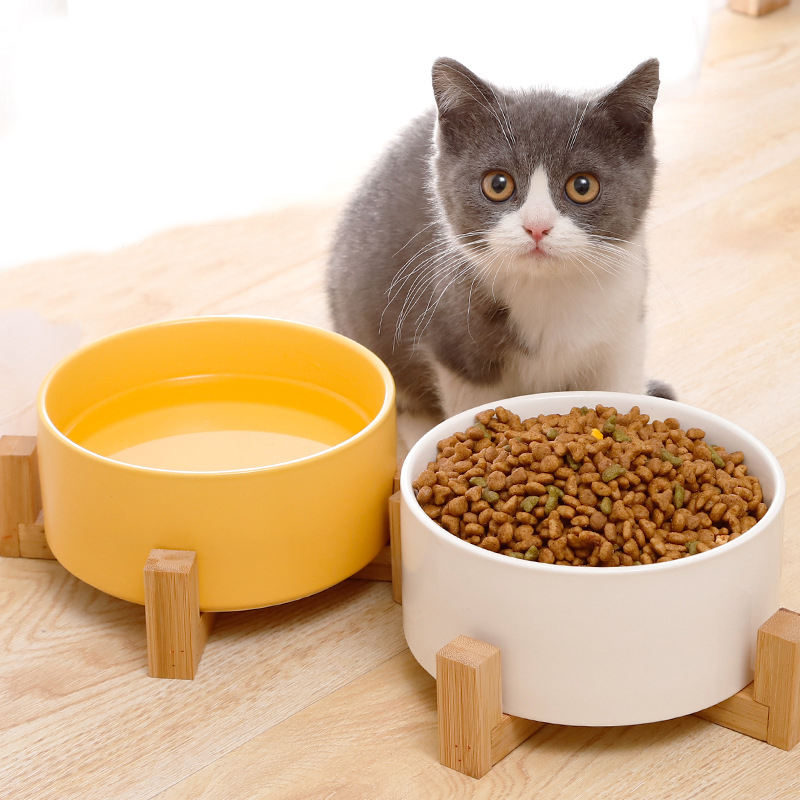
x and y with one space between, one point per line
446 428
386 409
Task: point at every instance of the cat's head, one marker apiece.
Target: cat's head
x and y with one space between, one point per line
539 183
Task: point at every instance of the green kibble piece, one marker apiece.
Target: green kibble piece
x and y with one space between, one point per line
612 472
528 504
619 434
532 553
667 456
489 496
554 491
609 425
716 458
691 548
551 504
584 410
478 481
552 433
572 462
486 432
507 447
516 555
605 505
677 496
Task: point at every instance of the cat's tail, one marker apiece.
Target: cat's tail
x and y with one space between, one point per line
657 388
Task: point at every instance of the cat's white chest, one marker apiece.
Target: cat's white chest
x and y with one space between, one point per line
577 333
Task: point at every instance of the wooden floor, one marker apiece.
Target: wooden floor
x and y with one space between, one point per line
321 698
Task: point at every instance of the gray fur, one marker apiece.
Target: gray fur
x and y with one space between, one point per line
426 188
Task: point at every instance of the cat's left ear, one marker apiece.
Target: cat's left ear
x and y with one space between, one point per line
630 102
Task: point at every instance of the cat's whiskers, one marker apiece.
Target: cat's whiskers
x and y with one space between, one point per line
485 265
479 272
430 309
469 301
439 268
422 284
417 273
615 263
606 266
589 271
396 286
442 239
403 275
624 257
517 277
604 237
482 269
420 231
479 266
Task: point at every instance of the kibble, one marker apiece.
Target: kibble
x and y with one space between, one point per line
590 488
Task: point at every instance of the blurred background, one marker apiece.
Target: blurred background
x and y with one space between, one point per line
120 119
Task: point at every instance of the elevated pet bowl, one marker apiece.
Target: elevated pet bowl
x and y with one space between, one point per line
265 446
592 645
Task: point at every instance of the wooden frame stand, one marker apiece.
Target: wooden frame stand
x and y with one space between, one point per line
474 734
177 630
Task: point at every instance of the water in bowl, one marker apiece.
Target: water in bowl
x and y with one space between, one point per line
218 422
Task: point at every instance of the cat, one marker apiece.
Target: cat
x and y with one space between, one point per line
496 248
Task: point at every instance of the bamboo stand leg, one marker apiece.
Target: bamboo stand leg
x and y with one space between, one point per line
176 628
777 679
386 566
474 734
394 544
20 496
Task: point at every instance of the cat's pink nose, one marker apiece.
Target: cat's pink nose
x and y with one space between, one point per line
537 232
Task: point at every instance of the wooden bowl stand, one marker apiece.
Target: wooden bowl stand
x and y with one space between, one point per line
177 629
474 733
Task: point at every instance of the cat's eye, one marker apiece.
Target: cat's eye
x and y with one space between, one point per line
582 187
497 185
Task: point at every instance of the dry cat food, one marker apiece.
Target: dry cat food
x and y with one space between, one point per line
589 488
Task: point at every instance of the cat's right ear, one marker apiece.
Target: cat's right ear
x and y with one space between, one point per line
462 98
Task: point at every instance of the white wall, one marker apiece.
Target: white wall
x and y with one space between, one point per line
118 119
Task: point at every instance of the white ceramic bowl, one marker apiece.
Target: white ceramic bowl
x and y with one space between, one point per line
598 646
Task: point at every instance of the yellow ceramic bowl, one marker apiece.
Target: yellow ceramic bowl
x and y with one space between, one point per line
266 446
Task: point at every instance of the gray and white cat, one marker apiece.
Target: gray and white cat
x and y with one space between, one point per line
496 248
